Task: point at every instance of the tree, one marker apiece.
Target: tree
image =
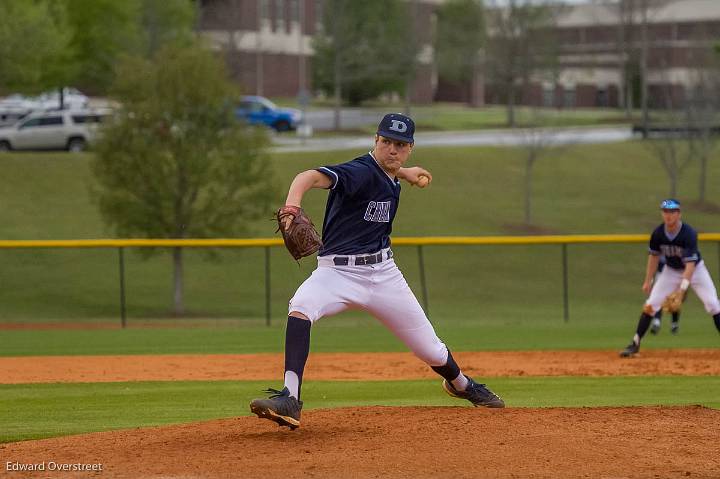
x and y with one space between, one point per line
104 30
174 163
702 107
32 66
460 35
672 148
165 22
363 49
520 44
627 57
536 143
78 42
702 142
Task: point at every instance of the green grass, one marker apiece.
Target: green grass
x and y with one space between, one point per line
357 334
586 189
35 411
458 117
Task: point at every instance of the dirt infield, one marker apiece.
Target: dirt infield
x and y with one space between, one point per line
409 442
358 366
385 442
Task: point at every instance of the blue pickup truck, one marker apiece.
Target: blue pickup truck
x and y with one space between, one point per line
258 110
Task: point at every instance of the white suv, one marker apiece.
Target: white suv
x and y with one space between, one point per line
70 130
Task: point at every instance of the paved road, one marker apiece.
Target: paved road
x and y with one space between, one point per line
324 120
559 136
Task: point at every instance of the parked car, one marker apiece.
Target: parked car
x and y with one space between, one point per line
258 110
9 116
73 99
15 107
71 130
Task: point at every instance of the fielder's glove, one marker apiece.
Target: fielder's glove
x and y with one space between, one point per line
673 302
301 238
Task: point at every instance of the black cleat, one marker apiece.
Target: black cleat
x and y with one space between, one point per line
279 407
674 327
477 394
631 350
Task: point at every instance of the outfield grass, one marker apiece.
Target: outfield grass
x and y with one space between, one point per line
359 334
34 411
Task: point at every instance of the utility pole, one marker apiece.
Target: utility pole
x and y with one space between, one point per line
262 5
644 68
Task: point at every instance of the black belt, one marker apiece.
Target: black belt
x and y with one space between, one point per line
362 260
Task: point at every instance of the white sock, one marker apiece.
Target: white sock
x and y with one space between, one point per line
292 382
460 383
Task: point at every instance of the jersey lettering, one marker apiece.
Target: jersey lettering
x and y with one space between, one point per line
670 250
378 212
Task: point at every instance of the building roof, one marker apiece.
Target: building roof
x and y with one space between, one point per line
664 11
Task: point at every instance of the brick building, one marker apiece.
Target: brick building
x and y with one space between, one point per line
268 48
598 46
268 45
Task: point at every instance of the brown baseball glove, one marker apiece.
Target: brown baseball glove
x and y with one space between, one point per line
301 238
673 302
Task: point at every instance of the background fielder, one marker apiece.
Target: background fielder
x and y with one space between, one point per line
677 241
356 269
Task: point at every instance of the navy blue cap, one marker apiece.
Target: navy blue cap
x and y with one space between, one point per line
397 126
670 204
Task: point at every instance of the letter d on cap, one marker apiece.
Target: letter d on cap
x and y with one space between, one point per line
398 126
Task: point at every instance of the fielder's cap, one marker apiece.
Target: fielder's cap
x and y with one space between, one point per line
397 127
670 204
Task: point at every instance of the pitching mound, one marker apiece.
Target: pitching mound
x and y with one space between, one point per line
409 442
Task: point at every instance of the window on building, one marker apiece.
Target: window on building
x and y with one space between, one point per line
569 97
279 14
264 9
548 96
602 97
295 11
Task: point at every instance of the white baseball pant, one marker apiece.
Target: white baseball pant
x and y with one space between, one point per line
381 290
669 280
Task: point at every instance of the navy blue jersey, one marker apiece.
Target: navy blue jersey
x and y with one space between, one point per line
360 208
679 249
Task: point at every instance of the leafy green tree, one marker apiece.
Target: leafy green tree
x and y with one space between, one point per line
102 31
56 43
165 22
174 163
364 49
34 46
105 30
460 35
521 45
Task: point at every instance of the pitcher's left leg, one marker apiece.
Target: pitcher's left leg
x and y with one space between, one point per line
395 305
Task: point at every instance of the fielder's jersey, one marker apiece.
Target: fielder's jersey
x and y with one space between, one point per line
677 249
360 208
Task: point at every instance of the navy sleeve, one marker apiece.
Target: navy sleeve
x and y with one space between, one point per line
346 177
654 246
690 249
